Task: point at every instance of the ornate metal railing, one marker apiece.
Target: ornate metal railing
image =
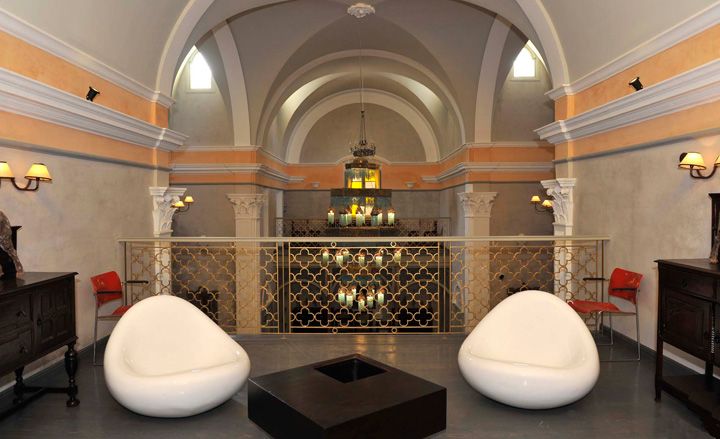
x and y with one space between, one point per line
291 227
399 284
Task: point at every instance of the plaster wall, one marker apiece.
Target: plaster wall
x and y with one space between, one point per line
330 138
204 115
73 223
650 209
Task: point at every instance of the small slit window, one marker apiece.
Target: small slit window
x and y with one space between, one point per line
524 66
200 73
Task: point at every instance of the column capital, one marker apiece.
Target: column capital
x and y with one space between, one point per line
477 204
561 190
163 198
247 206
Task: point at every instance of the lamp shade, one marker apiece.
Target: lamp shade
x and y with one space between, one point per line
38 171
179 204
189 199
5 171
692 160
547 203
535 199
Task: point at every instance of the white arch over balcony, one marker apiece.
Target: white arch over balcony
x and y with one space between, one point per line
366 53
377 97
238 92
195 9
488 79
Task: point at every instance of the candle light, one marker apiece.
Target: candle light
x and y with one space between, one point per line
361 258
342 293
379 258
380 217
353 291
331 216
361 303
370 296
359 219
339 257
397 255
391 217
349 298
325 256
381 296
346 255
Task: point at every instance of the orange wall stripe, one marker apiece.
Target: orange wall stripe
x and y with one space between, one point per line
32 62
15 127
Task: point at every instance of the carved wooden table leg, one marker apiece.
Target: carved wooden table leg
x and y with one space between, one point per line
71 365
19 387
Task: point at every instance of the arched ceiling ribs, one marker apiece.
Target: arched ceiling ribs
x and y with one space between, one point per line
297 137
531 18
238 92
488 79
286 87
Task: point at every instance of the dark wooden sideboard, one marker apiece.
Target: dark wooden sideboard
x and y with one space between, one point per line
689 319
37 317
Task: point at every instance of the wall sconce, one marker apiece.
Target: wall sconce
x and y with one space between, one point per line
91 94
541 205
636 84
38 172
695 163
184 204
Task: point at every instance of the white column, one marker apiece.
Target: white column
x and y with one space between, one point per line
163 198
561 190
248 214
477 208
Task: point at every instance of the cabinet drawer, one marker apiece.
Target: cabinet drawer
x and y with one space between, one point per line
15 312
686 322
687 281
15 350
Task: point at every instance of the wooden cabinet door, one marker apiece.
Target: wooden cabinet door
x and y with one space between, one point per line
55 310
686 322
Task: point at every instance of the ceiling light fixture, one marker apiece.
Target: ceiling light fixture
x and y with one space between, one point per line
636 84
361 10
91 94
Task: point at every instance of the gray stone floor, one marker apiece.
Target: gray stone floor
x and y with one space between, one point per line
620 406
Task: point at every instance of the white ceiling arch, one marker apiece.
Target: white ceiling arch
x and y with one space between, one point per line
421 125
282 89
488 79
532 12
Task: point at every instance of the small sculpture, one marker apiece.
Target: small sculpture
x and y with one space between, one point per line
9 263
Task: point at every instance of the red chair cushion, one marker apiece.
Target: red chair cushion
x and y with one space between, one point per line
587 306
121 310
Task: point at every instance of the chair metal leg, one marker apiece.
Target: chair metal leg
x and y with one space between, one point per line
637 331
95 363
612 342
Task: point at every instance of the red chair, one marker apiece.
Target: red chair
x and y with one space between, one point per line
107 287
624 285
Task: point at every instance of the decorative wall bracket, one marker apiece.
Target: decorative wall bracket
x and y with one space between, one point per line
561 191
163 200
477 204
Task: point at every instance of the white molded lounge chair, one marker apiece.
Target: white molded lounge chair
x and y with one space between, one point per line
165 358
531 351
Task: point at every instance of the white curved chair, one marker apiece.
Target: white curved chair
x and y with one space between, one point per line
531 351
165 358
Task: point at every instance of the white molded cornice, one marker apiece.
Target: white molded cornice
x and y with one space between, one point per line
25 96
699 22
464 167
235 168
27 32
695 87
219 148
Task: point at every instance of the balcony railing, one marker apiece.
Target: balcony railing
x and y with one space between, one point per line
291 227
417 284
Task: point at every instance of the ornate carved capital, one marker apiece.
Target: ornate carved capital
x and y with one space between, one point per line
163 199
561 190
477 204
247 206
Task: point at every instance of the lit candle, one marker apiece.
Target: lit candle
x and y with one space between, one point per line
370 300
325 256
381 296
339 257
370 297
353 291
361 258
397 256
379 258
361 303
346 256
331 216
359 219
379 217
341 295
391 217
349 300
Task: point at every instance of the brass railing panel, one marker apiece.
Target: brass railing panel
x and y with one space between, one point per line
434 285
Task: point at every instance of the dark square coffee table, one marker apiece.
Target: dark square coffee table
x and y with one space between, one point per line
347 397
